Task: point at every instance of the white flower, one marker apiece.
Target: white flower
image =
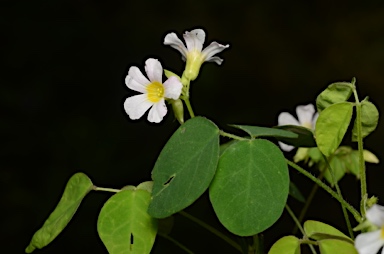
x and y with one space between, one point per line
371 242
154 91
307 118
193 53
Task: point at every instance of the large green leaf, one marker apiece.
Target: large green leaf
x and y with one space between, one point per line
318 231
250 187
77 187
124 225
185 167
331 126
286 245
334 93
369 120
256 131
333 246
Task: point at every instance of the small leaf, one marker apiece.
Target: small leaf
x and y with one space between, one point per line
305 138
185 167
369 120
243 193
331 126
287 245
295 192
124 225
77 187
169 74
334 93
318 231
332 246
256 131
338 168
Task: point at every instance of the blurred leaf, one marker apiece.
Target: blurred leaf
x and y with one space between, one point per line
77 187
369 120
331 126
318 231
243 192
295 192
124 225
305 138
256 131
333 246
286 245
185 167
334 93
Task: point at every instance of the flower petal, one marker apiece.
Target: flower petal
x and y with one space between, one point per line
194 39
136 80
369 243
305 114
375 214
172 40
213 49
315 116
137 105
157 112
286 119
154 70
172 88
285 147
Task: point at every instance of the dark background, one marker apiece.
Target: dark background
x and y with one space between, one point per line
62 90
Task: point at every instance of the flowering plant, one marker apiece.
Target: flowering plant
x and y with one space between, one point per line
246 176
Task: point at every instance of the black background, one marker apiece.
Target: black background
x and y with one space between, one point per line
62 90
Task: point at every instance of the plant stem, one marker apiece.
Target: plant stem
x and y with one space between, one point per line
189 107
212 230
352 210
229 135
363 178
346 217
181 246
95 188
298 224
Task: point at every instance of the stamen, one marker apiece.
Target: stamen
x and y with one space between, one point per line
155 92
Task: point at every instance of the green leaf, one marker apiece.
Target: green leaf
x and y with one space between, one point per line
77 187
335 93
331 126
287 245
224 146
185 167
332 246
338 168
305 138
295 192
369 120
256 131
318 231
124 225
243 192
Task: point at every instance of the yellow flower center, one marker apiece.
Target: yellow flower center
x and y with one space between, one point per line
155 92
382 233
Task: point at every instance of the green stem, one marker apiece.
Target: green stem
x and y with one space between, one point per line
363 178
298 224
350 208
212 230
95 188
189 107
229 135
181 246
346 217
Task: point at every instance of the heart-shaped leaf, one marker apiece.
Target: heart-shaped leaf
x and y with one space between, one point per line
124 225
185 167
78 186
243 192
